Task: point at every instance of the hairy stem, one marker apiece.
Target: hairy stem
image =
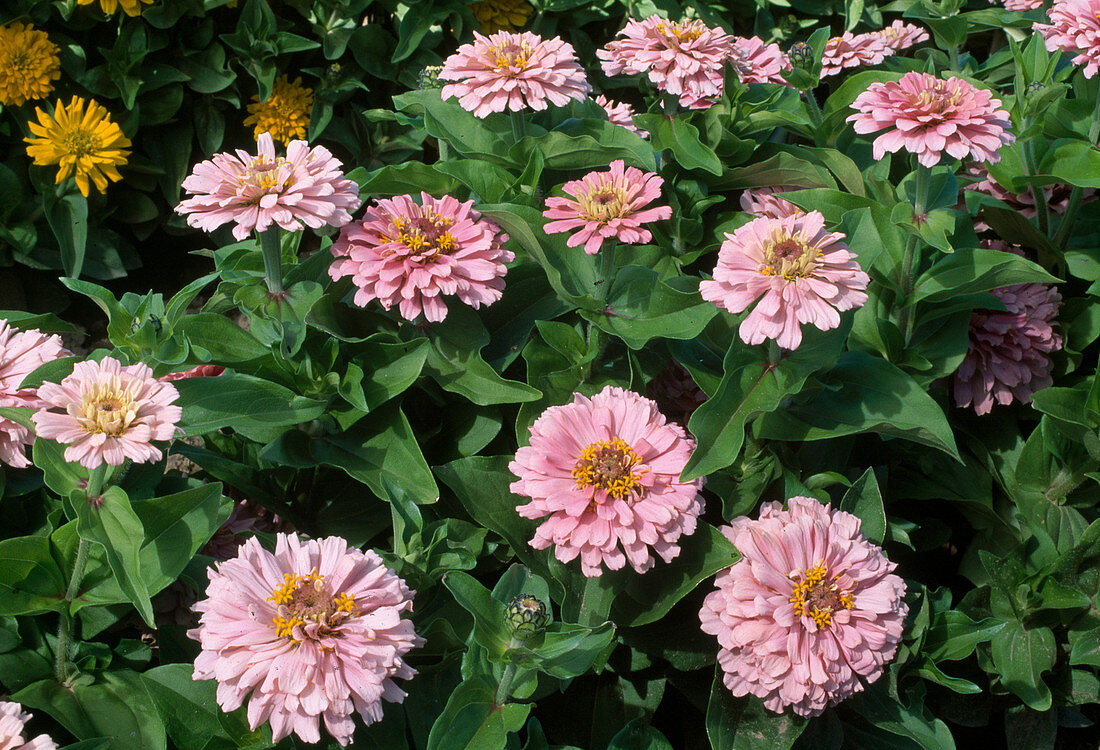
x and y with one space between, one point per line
920 201
272 251
504 690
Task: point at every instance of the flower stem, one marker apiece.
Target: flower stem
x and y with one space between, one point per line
65 629
272 251
519 126
504 690
814 110
607 269
920 200
1037 194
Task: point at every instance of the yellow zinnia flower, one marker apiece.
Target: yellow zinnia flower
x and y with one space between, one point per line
28 64
129 7
501 15
85 144
285 114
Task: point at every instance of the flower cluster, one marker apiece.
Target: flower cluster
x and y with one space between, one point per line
756 62
852 50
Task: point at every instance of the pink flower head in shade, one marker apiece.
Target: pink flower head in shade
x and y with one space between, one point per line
676 392
682 58
1008 358
756 62
109 413
313 631
202 371
765 201
928 116
12 719
304 189
852 50
621 114
1021 5
608 205
1074 28
513 71
810 608
408 254
605 474
799 272
900 36
21 352
1057 195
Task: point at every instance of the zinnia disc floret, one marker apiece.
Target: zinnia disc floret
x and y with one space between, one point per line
303 189
810 614
410 254
308 634
800 272
514 72
929 116
21 352
604 473
12 720
683 58
81 139
28 64
607 205
1074 28
109 412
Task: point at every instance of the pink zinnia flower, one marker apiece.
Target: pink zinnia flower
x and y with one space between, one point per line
852 50
799 272
605 474
313 631
765 201
1057 194
513 71
928 116
1008 358
304 189
12 719
682 58
1074 28
900 36
756 62
201 371
21 352
676 393
109 413
1021 5
811 607
621 114
408 254
608 205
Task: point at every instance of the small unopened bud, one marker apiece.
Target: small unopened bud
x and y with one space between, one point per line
429 77
1035 87
527 615
801 55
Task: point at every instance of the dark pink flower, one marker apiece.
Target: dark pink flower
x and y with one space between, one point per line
201 371
675 392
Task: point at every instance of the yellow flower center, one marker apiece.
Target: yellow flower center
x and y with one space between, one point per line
107 409
424 238
301 600
681 31
80 143
939 100
609 465
512 58
789 257
267 175
818 598
604 203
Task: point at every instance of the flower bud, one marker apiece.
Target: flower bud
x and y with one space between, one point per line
801 55
429 77
1034 88
527 615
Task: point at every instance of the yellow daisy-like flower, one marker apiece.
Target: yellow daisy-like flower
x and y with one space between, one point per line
501 15
129 7
285 114
28 64
83 142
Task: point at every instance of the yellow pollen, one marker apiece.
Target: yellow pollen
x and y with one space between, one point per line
512 58
817 598
790 257
300 600
681 31
425 238
609 465
605 203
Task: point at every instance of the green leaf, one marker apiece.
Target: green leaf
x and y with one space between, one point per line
1070 161
682 138
257 408
221 338
864 501
603 143
1031 730
31 582
976 270
391 369
744 723
472 720
488 138
1085 648
638 735
68 218
490 620
911 721
953 636
113 524
190 710
564 650
1021 655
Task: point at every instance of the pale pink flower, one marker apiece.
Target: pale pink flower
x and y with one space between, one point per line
1008 357
928 116
408 254
765 201
313 632
756 62
810 613
799 272
852 50
513 71
620 113
676 393
1074 28
12 719
201 371
21 352
304 189
682 58
1021 5
1057 195
900 36
608 205
109 413
605 474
